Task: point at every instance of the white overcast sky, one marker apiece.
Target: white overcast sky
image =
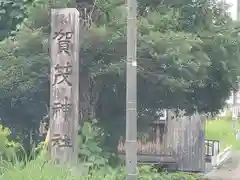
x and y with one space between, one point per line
233 8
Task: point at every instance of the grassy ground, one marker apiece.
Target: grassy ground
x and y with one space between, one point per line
93 167
42 169
35 170
222 130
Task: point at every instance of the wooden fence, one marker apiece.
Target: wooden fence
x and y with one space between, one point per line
182 137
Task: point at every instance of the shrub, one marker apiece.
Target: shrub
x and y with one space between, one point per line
93 164
8 148
89 141
37 170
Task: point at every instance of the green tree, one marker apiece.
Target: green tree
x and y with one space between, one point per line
11 14
187 58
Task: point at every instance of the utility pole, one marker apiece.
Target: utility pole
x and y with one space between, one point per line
131 92
238 10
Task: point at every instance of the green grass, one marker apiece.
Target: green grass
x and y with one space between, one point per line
36 171
222 130
41 169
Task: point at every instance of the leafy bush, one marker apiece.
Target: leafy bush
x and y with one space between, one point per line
93 164
89 141
38 170
8 148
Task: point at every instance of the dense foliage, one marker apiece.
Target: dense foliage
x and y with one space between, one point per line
188 58
48 171
93 163
8 148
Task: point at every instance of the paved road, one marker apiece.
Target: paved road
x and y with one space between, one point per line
229 171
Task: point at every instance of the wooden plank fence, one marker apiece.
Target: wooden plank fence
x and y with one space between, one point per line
183 139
